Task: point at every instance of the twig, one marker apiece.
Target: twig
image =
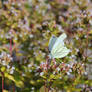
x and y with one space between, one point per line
2 81
13 88
11 55
45 87
10 47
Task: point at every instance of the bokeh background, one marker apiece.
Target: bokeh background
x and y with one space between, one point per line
25 29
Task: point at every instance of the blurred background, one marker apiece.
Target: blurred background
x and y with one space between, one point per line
25 29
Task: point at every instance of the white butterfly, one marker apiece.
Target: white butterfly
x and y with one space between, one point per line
57 48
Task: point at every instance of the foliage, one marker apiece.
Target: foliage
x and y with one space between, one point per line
25 30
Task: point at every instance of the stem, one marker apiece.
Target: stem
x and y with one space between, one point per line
86 56
48 60
87 44
13 88
10 47
11 55
2 81
48 89
45 87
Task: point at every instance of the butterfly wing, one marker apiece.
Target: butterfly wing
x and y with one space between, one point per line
59 50
60 40
52 42
62 37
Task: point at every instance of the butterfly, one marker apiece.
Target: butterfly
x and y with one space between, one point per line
57 48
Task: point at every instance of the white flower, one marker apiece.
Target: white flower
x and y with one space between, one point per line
12 71
42 73
68 73
58 69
